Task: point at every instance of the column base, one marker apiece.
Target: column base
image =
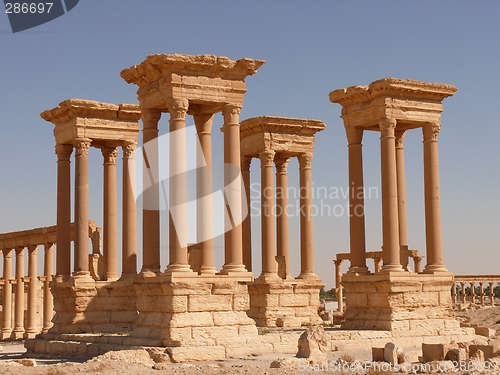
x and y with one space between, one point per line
146 272
359 270
392 268
30 334
431 268
233 269
171 268
17 335
208 270
4 335
308 276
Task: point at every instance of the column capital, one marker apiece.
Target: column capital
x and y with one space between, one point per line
431 131
305 160
150 115
281 164
245 163
203 122
82 146
177 107
19 249
354 134
7 253
32 248
338 262
387 126
231 109
129 148
109 154
400 137
266 158
64 152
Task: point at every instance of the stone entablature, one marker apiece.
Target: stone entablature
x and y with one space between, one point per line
205 80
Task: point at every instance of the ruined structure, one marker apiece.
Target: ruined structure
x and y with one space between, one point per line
394 299
275 293
462 282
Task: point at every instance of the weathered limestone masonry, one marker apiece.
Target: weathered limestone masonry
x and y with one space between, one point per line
460 283
32 305
83 300
407 304
276 298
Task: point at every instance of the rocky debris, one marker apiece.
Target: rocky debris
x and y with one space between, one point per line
289 363
159 355
312 345
457 354
28 362
138 356
390 353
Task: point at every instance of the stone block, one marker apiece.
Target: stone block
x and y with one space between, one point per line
486 349
294 300
264 300
456 355
484 331
241 302
434 352
390 353
198 303
192 319
288 321
356 300
250 330
172 304
225 318
214 332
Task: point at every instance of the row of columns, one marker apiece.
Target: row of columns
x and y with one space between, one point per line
394 226
81 213
463 297
178 253
14 328
280 245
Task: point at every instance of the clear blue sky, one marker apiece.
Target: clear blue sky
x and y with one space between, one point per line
311 48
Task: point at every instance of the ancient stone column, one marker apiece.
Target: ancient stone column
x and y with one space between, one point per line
151 195
110 221
473 292
356 202
247 223
129 211
454 293
282 226
338 284
400 167
390 233
7 294
31 329
18 331
377 265
48 300
481 293
306 218
432 200
418 263
81 207
233 246
462 291
204 205
492 295
178 229
267 213
63 256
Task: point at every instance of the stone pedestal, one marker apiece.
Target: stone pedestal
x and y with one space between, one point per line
271 300
404 303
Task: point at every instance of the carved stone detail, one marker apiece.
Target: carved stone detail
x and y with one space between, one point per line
245 163
63 152
431 131
305 161
387 127
150 115
267 158
400 137
129 149
354 134
281 165
178 107
82 146
109 154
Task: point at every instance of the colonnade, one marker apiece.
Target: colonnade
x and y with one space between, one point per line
459 295
119 130
23 316
409 97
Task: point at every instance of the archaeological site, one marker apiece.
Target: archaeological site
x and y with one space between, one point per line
98 293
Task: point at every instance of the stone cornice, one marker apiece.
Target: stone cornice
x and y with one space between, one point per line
73 108
159 65
392 87
285 125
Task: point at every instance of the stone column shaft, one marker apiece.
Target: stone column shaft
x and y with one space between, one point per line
81 207
129 211
63 258
377 266
247 223
473 293
267 216
178 230
204 205
233 238
418 263
481 293
7 294
19 301
402 227
390 233
31 329
306 218
462 285
434 246
492 295
110 222
151 195
282 222
356 202
48 300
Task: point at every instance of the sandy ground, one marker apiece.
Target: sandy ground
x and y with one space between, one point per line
139 362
